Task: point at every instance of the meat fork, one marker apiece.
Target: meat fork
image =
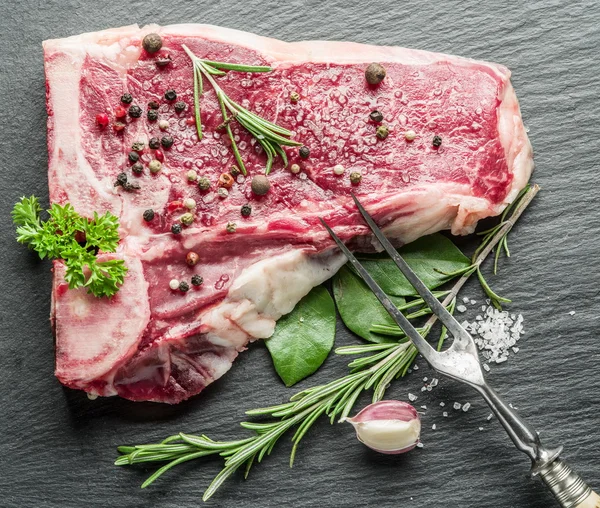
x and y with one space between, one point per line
461 362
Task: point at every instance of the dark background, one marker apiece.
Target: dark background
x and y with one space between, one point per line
57 447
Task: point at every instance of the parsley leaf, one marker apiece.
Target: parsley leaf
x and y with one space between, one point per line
76 240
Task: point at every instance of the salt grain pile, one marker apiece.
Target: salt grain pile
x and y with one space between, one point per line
496 333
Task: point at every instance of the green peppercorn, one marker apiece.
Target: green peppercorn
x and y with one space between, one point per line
231 227
152 115
154 166
138 146
382 132
166 142
149 215
304 152
294 97
126 98
187 219
137 168
179 106
135 111
376 116
170 95
235 171
437 141
184 286
176 229
260 185
355 177
246 210
154 143
197 280
153 105
375 74
152 43
203 183
133 156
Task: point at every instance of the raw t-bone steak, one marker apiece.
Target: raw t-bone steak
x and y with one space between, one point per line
150 342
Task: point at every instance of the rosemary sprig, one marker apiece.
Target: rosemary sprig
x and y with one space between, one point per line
271 136
383 364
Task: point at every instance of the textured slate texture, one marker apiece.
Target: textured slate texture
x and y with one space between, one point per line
57 447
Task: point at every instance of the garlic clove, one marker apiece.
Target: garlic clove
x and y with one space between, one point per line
389 426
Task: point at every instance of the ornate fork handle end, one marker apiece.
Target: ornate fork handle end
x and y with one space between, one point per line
567 486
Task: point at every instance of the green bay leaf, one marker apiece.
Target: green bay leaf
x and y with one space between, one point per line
303 338
358 306
427 256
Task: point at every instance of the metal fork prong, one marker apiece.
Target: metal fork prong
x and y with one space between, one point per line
420 343
434 304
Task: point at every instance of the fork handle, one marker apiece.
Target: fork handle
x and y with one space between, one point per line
567 486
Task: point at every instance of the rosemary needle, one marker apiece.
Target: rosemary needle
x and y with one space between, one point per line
270 136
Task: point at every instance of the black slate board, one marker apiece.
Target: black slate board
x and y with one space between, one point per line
57 447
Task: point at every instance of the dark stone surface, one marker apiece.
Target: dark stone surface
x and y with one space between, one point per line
57 447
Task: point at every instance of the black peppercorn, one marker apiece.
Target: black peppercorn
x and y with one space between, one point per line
133 156
121 179
163 61
137 168
152 43
152 115
128 186
166 142
135 111
376 116
437 141
126 98
179 106
170 95
304 152
154 143
153 105
197 280
246 210
149 215
176 229
184 286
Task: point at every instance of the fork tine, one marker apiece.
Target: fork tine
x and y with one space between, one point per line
434 304
420 343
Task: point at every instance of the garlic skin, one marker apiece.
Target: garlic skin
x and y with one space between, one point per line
388 426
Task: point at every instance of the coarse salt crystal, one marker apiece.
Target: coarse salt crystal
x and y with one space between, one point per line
412 397
490 416
572 313
416 367
445 414
423 406
473 302
442 404
486 367
424 379
434 426
457 406
466 407
461 308
424 389
419 445
480 429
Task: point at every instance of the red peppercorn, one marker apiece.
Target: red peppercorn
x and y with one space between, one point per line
120 112
118 126
226 180
174 205
102 120
192 258
190 121
159 155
